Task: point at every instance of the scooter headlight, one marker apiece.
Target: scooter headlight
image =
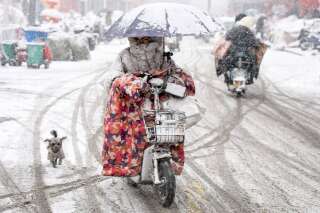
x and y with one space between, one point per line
238 83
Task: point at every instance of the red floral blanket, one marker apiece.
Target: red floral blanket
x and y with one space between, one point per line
125 135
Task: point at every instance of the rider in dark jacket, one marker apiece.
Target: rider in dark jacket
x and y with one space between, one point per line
243 41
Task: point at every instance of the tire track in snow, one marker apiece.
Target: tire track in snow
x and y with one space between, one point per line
276 118
223 196
91 202
223 130
52 191
233 119
91 142
91 136
6 119
12 187
204 202
310 136
262 180
41 199
281 165
224 136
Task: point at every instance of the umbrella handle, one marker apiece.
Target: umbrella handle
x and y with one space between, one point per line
163 49
168 55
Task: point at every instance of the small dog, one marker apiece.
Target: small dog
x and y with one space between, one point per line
55 150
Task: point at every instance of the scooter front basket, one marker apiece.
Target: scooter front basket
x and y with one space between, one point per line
165 126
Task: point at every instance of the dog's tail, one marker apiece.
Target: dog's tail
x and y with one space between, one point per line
54 133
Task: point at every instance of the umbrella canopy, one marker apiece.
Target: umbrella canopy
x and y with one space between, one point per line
163 20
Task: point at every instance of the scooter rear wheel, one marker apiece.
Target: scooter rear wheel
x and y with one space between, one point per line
166 190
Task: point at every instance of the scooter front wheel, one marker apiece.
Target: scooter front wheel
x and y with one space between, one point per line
130 182
167 189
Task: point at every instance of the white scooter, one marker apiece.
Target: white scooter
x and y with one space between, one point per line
165 128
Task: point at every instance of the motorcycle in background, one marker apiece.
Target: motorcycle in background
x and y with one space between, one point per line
309 40
239 76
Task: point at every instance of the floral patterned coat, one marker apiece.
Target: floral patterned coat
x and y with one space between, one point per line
125 134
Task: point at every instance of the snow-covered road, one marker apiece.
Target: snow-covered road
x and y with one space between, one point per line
260 153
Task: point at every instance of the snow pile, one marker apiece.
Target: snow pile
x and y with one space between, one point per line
286 31
67 46
80 49
92 19
291 24
293 73
60 46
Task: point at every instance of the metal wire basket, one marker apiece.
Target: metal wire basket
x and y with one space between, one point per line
165 126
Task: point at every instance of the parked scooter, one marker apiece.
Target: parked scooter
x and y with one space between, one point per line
309 40
239 76
165 128
9 56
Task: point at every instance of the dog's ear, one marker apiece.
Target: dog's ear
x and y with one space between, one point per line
54 133
46 140
63 138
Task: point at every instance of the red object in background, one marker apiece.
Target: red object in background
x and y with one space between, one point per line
308 6
51 3
69 5
47 53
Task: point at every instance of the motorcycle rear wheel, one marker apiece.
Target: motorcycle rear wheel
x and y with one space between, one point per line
239 94
166 191
305 46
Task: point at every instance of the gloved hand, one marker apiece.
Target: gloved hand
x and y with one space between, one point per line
159 73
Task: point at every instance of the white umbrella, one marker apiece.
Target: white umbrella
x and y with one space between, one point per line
163 20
